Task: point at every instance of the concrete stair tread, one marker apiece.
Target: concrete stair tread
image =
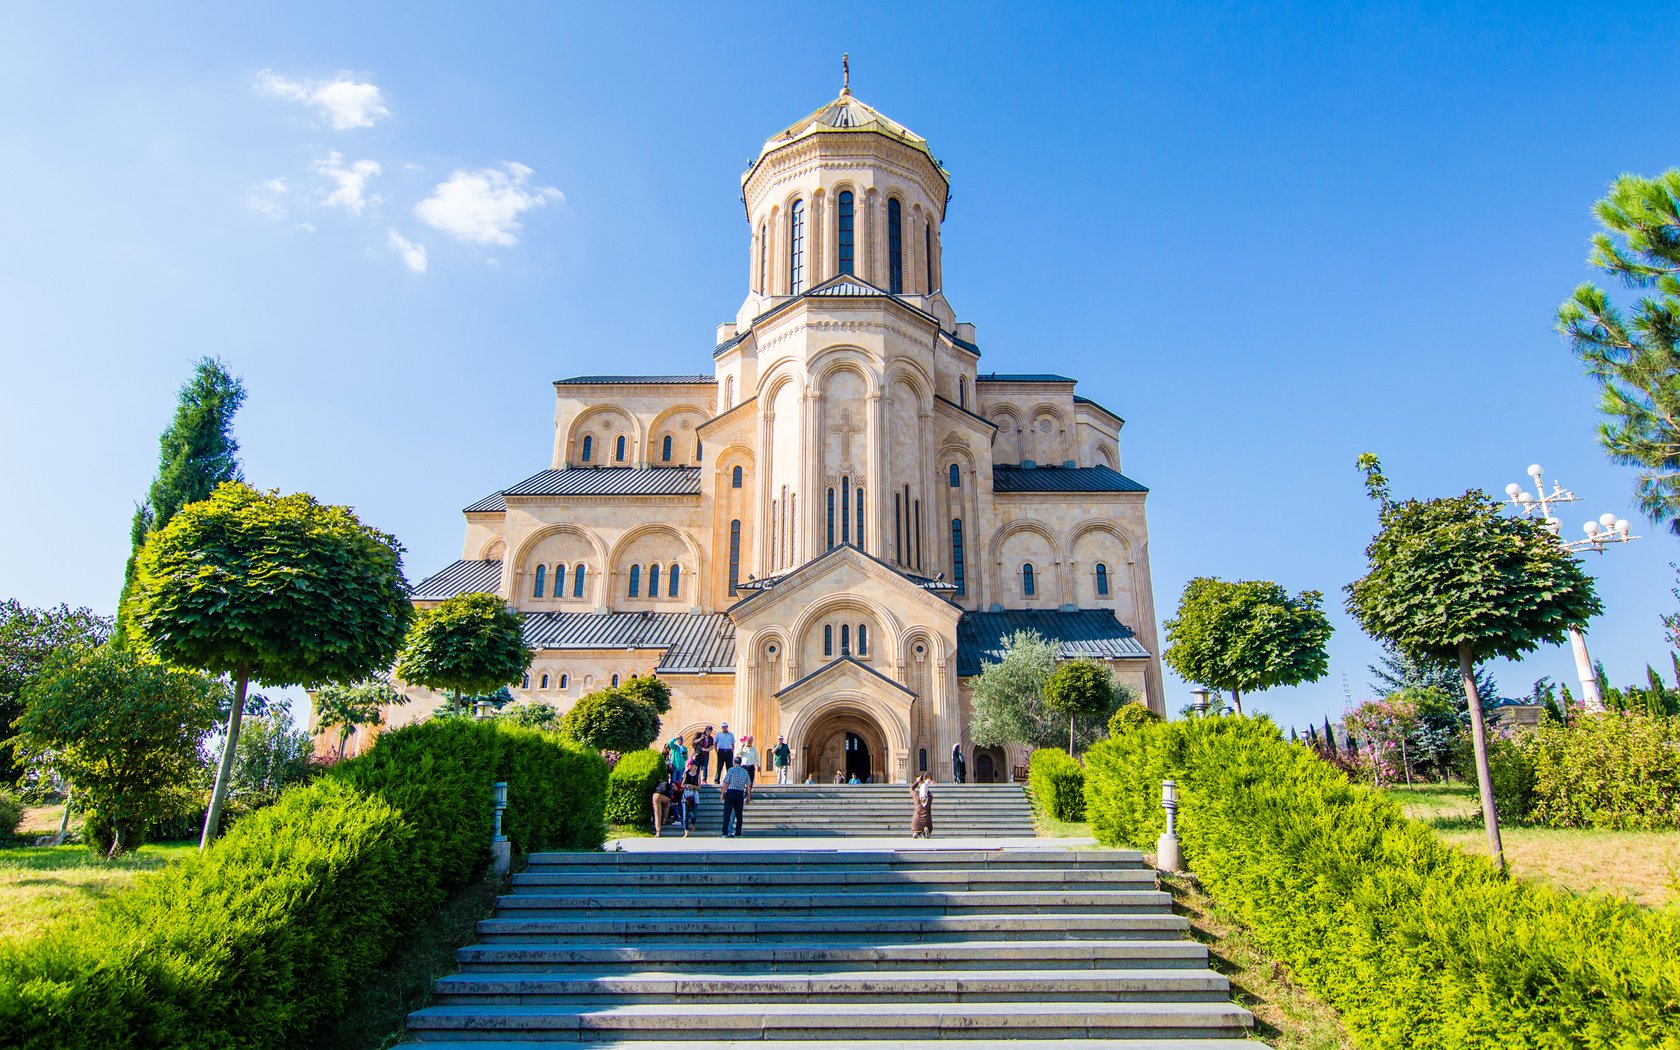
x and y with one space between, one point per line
929 854
692 1017
873 1044
834 877
826 925
769 902
908 982
1094 950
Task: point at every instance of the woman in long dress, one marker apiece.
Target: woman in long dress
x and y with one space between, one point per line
921 820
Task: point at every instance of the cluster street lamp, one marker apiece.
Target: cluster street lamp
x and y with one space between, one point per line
1607 529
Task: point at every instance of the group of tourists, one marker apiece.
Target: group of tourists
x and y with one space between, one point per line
677 797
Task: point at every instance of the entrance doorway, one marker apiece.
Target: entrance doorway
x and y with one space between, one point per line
842 743
857 758
988 766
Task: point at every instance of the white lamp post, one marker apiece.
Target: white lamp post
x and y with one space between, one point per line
1606 530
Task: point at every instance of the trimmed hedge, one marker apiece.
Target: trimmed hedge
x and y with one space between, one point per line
630 788
1615 770
1416 943
1057 783
259 940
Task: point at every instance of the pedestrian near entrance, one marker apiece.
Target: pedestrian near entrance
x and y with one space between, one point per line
725 752
781 757
735 784
959 768
921 819
749 762
692 778
839 776
676 756
703 742
662 794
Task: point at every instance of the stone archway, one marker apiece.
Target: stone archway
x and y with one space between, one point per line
845 739
991 766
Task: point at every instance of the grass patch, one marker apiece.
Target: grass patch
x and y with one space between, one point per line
1050 827
1286 1015
40 885
377 1015
1643 865
631 831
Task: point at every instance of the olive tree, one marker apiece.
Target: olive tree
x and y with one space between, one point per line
1247 635
282 590
1457 579
471 643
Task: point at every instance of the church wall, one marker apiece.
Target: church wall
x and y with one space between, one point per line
484 537
642 414
609 535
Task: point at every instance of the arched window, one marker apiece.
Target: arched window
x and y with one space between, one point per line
577 580
563 680
796 248
957 568
621 448
735 478
927 253
525 682
674 588
545 681
665 452
636 581
863 639
560 580
763 260
697 456
846 240
828 639
895 246
830 520
1027 583
921 760
653 580
1102 580
845 510
962 391
860 517
615 681
729 393
845 639
588 447
537 585
735 556
956 477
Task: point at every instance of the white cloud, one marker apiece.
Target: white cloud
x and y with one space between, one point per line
484 206
345 102
264 198
350 183
413 255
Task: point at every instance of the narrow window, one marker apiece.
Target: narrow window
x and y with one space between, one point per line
909 537
525 682
962 391
828 639
898 530
796 248
735 556
958 572
830 520
895 247
860 517
545 681
918 535
621 448
863 639
735 478
1027 580
921 760
775 530
542 576
653 580
564 680
845 639
577 580
588 447
845 240
697 456
560 580
927 253
665 452
1102 580
956 477
845 510
615 681
635 581
729 393
763 259
675 586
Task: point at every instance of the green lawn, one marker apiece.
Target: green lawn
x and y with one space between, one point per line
1644 865
41 884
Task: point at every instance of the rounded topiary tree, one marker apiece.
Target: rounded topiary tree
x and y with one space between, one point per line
1455 579
1247 635
1080 688
610 720
1128 717
282 590
471 643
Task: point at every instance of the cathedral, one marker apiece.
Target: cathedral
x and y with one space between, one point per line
827 533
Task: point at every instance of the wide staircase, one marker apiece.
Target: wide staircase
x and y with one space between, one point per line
784 948
830 810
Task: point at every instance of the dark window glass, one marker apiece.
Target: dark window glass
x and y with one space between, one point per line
525 682
898 530
845 639
697 456
895 247
962 391
846 240
615 681
545 681
735 555
1027 587
735 478
921 760
577 581
588 447
958 570
918 534
927 252
635 581
653 580
796 248
1102 580
845 510
860 517
665 453
537 586
564 679
621 448
675 587
828 640
830 520
863 639
956 477
763 259
560 580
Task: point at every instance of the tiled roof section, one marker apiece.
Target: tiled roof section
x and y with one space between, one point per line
1099 406
1062 479
846 284
982 637
1022 377
694 643
490 503
672 380
598 481
463 577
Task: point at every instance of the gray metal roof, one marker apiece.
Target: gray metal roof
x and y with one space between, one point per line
1007 478
463 577
694 643
599 481
1078 400
670 380
1022 377
982 637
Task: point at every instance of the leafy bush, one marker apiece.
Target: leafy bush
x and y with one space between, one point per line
1129 716
1614 771
1057 783
11 811
1416 943
630 788
612 720
258 941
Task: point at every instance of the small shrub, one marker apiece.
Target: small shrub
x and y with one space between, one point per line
1057 783
612 720
630 788
11 811
1130 716
1614 771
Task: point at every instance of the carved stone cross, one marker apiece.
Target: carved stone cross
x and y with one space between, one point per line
845 428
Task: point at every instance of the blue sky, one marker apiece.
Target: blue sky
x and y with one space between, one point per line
1269 237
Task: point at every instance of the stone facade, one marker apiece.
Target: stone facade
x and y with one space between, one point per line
825 534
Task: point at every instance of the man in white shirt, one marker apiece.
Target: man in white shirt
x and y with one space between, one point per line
725 752
735 784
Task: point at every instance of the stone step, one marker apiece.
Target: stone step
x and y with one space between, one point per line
662 881
857 1020
815 859
531 1041
1087 985
835 929
676 906
817 956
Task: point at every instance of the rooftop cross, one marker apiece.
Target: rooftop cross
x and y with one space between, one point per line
845 73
